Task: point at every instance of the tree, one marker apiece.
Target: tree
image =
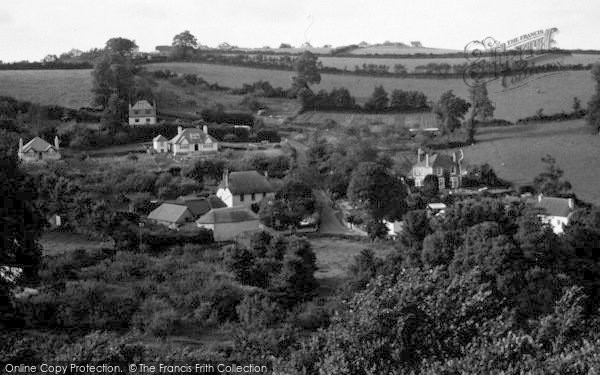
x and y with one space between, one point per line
549 181
483 108
593 109
372 187
431 187
378 101
21 224
450 110
121 46
307 71
185 44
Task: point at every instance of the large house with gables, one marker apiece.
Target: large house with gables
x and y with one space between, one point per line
142 113
187 141
38 150
447 168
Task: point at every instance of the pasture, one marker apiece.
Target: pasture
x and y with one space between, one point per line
553 93
67 88
406 120
515 153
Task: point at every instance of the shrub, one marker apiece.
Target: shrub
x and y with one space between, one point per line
156 316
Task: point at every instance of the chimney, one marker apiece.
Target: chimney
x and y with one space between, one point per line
56 142
540 196
571 203
20 144
226 178
267 175
454 157
419 154
427 160
179 130
205 129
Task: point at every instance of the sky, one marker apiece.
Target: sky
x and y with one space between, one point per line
32 29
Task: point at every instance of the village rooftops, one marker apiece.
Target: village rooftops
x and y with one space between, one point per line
227 215
198 206
171 213
553 206
246 182
191 136
37 144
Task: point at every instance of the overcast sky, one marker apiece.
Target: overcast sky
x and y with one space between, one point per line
31 29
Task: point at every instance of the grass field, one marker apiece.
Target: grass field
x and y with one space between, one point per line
407 120
515 153
58 242
553 93
68 88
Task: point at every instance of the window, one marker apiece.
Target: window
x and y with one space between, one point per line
137 120
136 112
440 172
147 120
442 183
241 197
454 182
454 170
253 196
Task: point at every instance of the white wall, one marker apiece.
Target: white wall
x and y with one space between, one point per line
142 120
160 146
235 200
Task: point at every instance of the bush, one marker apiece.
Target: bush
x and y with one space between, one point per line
156 316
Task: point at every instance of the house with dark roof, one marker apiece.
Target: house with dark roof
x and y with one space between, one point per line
447 168
555 212
198 206
142 113
187 141
38 150
229 222
244 188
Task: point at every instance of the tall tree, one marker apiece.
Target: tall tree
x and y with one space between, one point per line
593 110
185 43
378 101
121 46
549 181
307 71
450 110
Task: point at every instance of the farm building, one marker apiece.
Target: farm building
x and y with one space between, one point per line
447 168
229 222
244 188
187 141
556 212
173 216
142 113
38 150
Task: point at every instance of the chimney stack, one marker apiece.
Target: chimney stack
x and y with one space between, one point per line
179 130
454 157
419 154
20 144
571 206
56 142
226 178
205 129
427 160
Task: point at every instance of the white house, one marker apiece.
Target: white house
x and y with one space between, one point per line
187 141
142 113
394 227
229 222
447 168
244 188
38 150
556 212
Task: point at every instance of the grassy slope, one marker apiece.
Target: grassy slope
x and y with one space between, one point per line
515 153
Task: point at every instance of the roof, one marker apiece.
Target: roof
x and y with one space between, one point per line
159 138
437 161
555 206
37 144
192 135
227 215
247 182
171 213
198 206
142 104
437 206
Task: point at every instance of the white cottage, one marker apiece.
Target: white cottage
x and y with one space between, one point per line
556 212
244 188
142 113
38 150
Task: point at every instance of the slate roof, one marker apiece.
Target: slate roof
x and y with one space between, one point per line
171 213
37 144
227 215
247 182
198 206
437 161
142 104
192 135
553 206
